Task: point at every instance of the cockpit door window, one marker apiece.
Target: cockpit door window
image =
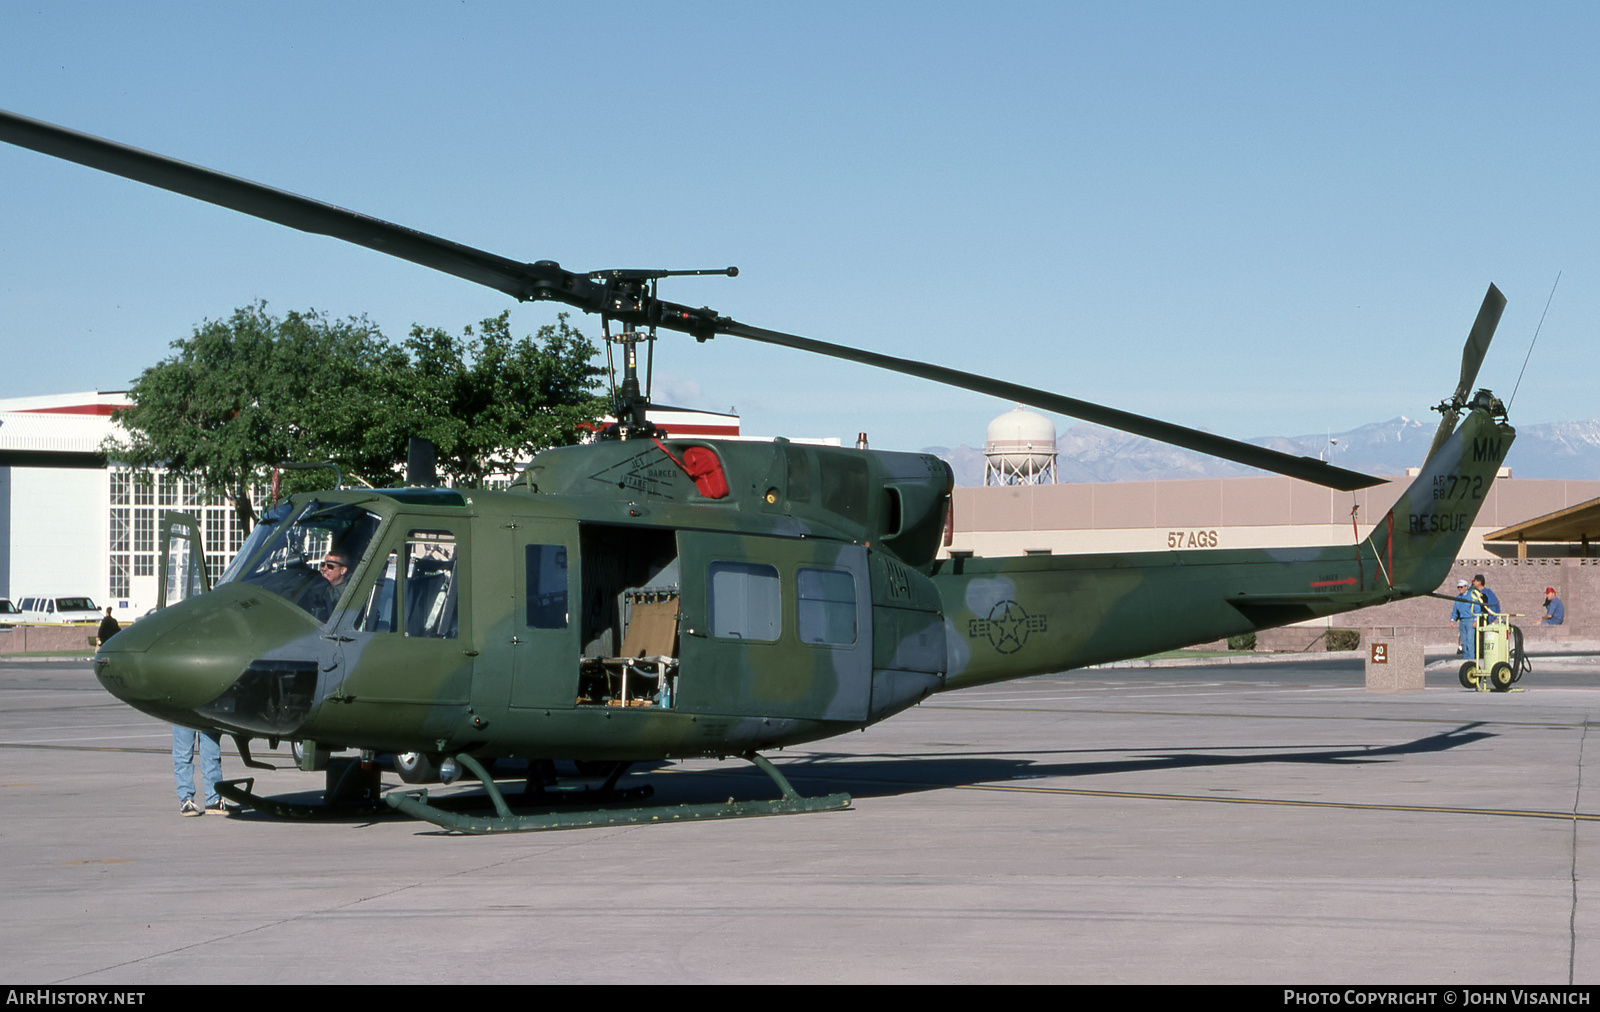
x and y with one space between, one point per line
430 588
416 591
378 613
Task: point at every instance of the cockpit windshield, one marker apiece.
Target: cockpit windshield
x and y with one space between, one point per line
306 556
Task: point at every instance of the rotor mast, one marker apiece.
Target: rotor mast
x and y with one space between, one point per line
631 294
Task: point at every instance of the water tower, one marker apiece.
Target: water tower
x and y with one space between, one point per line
1019 448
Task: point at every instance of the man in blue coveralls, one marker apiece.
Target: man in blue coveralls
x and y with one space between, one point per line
1485 602
1461 615
1485 606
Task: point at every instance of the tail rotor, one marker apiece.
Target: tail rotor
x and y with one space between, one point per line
1471 359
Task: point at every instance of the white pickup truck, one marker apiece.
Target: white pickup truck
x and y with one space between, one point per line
57 611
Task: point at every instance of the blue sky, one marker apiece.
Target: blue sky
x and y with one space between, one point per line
1254 218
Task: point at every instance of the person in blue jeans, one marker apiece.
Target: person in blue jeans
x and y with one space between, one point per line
184 742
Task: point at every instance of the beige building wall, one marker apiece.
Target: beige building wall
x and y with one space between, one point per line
1208 513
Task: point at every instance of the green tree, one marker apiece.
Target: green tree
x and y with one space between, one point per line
487 399
247 393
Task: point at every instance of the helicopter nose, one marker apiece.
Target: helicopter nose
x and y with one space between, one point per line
174 662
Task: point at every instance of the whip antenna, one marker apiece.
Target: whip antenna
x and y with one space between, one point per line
1535 338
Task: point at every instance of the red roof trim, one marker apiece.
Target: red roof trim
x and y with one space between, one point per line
103 410
698 430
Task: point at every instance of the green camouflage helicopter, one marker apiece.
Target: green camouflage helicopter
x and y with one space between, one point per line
646 598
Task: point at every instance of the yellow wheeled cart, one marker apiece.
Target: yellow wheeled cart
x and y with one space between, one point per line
1501 660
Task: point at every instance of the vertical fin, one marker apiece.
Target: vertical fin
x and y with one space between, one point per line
1416 544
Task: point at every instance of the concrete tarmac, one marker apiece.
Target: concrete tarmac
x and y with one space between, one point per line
1268 823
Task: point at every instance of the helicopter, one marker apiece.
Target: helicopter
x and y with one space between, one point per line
643 599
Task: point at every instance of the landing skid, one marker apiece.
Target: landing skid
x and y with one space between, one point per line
415 803
351 788
241 792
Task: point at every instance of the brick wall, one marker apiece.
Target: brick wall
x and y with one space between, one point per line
1520 585
41 638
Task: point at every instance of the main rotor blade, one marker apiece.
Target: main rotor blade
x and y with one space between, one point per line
1305 468
547 280
1478 340
280 206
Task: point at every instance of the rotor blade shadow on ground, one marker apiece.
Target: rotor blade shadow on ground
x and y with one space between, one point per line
878 777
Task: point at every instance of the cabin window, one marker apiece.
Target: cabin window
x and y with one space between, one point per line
745 602
827 599
547 586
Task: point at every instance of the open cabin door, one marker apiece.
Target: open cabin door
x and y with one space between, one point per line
626 613
183 559
775 627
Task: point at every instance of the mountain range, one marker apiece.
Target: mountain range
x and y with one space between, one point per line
1091 453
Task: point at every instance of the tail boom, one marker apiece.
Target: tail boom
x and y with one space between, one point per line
1014 617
